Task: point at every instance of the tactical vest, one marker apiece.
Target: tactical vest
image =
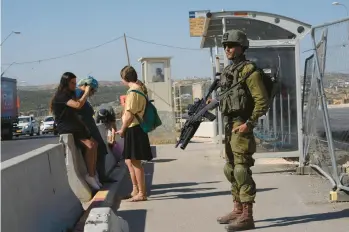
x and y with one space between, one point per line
238 101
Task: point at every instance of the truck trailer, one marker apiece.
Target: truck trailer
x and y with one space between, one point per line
9 107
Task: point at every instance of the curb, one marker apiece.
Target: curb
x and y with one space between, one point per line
99 213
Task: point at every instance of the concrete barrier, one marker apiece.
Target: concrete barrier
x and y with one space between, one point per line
76 168
35 192
43 190
104 219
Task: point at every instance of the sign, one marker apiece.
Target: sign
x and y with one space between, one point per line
196 22
123 100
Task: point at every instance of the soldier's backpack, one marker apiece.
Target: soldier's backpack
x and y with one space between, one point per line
151 119
270 82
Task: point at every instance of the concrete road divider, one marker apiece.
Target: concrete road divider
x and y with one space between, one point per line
44 190
35 192
76 168
104 219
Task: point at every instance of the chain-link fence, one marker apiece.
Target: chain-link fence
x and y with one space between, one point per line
326 137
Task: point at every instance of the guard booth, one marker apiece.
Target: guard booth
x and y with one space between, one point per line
274 47
156 75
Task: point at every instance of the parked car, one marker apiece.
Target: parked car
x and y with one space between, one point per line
48 125
27 125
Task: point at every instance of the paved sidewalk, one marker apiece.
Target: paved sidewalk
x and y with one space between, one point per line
188 191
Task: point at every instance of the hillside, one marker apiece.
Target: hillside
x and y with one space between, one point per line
38 97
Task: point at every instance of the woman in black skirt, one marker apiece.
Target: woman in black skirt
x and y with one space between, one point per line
64 105
136 141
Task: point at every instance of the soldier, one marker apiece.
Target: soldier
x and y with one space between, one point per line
241 109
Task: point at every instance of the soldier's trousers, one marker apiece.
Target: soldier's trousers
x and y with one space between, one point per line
239 148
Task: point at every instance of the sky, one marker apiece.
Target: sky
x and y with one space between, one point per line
54 28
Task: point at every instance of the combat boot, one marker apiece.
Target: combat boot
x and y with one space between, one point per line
237 211
245 221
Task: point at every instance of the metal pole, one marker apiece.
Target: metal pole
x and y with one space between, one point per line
299 105
274 118
327 124
226 62
279 75
289 116
220 121
214 96
128 57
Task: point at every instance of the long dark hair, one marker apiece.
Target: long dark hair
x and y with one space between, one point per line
63 87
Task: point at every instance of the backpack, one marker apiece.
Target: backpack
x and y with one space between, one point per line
270 82
151 119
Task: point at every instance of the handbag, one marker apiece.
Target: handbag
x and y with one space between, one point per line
118 148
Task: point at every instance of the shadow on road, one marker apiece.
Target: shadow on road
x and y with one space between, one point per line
135 219
162 160
184 184
198 194
288 221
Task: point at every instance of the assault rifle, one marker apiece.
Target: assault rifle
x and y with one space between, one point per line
198 111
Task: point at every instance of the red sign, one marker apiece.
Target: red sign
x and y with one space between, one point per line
123 100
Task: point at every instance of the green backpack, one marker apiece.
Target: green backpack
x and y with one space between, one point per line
151 119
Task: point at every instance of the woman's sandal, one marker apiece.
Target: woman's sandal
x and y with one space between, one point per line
138 198
131 195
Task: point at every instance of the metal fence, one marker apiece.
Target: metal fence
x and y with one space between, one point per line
326 127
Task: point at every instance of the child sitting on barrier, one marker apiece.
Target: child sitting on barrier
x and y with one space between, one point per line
64 105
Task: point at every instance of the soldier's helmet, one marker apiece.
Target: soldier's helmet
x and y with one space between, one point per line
235 36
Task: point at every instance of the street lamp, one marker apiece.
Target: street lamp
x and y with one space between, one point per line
12 32
340 4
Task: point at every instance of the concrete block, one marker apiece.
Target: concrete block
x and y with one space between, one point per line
35 193
105 198
339 196
105 220
76 168
305 170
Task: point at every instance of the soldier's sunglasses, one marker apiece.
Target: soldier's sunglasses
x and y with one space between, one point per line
231 45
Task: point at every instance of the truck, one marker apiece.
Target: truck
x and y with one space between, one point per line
9 107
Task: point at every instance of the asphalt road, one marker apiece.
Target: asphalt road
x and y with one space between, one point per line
24 144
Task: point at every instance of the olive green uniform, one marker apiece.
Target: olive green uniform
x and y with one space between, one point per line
239 147
243 100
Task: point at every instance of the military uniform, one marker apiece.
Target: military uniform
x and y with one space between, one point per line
245 104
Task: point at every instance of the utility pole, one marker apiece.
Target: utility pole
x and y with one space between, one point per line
128 57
